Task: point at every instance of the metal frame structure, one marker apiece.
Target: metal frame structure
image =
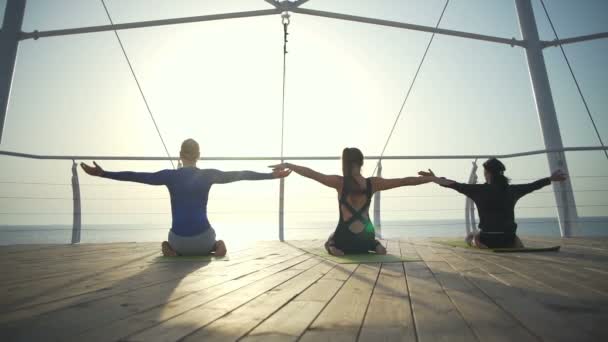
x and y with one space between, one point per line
11 34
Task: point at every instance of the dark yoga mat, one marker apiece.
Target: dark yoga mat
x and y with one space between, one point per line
357 258
462 244
190 258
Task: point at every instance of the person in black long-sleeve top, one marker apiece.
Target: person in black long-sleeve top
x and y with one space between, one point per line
495 203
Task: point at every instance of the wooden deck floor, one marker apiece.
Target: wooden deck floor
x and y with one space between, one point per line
272 291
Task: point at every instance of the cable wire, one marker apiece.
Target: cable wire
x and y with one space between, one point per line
143 96
407 95
578 87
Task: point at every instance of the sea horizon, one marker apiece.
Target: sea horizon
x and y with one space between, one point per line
258 231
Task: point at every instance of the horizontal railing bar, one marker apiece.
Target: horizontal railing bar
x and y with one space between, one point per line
456 196
573 40
396 24
150 23
276 158
292 212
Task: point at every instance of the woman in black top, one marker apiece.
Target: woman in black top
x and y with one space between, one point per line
355 232
495 202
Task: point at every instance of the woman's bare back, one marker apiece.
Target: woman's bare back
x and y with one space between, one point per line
357 201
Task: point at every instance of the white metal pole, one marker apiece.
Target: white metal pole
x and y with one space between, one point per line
564 198
9 44
377 220
281 210
77 220
471 205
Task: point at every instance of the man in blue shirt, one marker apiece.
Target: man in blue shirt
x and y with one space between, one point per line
191 233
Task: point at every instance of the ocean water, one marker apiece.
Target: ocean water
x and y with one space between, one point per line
238 233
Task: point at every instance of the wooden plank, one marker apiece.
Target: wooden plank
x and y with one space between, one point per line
341 319
287 324
290 322
558 296
23 297
244 319
544 322
575 284
408 250
149 275
184 324
573 303
583 269
543 310
389 315
73 320
42 266
148 318
489 321
53 288
435 316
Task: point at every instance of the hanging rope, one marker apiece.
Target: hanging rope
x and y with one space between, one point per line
407 95
580 92
143 96
285 21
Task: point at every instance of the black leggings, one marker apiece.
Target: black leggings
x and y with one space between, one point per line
351 243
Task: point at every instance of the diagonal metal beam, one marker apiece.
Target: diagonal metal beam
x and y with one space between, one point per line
381 22
9 46
150 23
573 40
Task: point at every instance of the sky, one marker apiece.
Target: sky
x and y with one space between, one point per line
220 83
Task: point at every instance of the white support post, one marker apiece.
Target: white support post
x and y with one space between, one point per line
77 220
282 210
377 220
469 210
9 44
564 198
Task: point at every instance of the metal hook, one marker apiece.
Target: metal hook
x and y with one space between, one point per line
286 18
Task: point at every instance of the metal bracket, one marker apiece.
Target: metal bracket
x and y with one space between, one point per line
286 5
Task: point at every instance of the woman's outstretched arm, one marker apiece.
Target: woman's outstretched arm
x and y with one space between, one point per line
151 178
380 184
470 190
524 189
437 180
332 181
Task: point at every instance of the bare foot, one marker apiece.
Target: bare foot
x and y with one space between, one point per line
328 243
167 249
380 249
469 239
477 242
335 251
220 248
517 242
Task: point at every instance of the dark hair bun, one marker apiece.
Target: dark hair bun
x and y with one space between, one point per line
494 165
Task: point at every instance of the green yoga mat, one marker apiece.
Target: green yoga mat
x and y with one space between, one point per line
462 244
190 258
357 258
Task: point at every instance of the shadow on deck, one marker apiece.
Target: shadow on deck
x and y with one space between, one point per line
273 291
